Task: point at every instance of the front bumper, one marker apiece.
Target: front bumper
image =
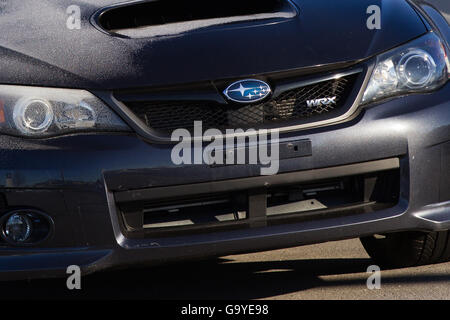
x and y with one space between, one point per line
74 179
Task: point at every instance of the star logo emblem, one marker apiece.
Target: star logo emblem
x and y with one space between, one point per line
246 91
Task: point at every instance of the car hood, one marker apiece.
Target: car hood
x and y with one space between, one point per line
37 47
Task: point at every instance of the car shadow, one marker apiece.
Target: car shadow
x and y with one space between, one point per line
213 279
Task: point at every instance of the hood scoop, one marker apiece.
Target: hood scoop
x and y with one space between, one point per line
172 17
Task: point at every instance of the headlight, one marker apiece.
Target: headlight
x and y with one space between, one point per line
419 66
43 112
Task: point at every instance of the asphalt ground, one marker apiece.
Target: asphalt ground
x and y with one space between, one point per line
333 270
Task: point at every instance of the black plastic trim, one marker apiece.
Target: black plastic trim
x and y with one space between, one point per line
256 182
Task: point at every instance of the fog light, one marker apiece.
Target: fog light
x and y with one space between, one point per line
18 228
25 227
33 115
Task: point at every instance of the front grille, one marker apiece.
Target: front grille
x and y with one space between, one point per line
289 106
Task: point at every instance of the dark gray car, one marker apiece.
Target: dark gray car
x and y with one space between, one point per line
351 97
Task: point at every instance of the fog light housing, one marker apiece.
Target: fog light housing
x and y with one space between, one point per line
25 227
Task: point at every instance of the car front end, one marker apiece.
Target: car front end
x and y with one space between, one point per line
88 115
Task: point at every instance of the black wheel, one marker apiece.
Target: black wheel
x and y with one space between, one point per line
407 249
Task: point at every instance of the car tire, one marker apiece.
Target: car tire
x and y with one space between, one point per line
407 249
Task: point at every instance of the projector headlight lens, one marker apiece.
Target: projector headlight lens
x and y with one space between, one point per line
43 112
32 115
416 69
419 66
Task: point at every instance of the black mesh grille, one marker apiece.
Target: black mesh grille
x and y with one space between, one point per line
288 106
